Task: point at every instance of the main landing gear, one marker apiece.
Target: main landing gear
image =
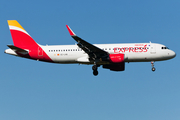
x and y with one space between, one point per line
94 68
152 64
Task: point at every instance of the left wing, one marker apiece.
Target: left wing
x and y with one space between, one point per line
94 52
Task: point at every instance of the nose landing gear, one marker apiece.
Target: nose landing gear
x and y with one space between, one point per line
152 64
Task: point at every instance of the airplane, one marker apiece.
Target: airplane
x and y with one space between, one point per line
109 56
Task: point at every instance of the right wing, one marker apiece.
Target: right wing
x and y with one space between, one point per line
94 52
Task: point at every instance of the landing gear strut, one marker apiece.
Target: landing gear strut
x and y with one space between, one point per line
95 71
152 64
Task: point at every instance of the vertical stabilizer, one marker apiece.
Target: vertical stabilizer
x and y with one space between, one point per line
20 37
24 45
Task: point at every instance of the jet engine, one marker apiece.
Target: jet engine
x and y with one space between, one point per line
116 62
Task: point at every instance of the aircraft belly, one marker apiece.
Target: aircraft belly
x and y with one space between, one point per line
143 57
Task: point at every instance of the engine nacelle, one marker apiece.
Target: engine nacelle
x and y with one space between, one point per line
115 66
116 58
116 62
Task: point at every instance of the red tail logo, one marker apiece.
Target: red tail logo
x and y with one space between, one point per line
23 40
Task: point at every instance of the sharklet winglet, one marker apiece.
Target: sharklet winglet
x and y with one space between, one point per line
70 31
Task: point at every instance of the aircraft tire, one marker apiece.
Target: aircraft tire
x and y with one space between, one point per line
153 69
94 67
95 72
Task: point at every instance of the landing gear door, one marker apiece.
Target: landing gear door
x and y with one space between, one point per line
153 49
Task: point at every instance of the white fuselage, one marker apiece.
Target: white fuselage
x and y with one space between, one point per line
134 52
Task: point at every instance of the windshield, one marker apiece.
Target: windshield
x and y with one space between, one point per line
164 48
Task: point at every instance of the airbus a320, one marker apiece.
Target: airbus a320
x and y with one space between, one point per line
109 56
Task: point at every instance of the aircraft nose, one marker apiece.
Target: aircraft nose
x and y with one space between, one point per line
172 54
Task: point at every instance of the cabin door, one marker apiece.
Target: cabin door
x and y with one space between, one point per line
153 49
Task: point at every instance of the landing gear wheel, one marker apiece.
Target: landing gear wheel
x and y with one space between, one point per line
153 69
94 67
95 72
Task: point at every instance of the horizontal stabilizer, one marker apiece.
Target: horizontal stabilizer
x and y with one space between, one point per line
18 50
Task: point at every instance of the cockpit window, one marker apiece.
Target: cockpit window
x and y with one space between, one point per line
164 48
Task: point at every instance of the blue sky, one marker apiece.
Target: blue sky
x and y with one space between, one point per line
43 91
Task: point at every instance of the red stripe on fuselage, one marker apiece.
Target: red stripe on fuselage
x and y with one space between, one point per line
24 41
